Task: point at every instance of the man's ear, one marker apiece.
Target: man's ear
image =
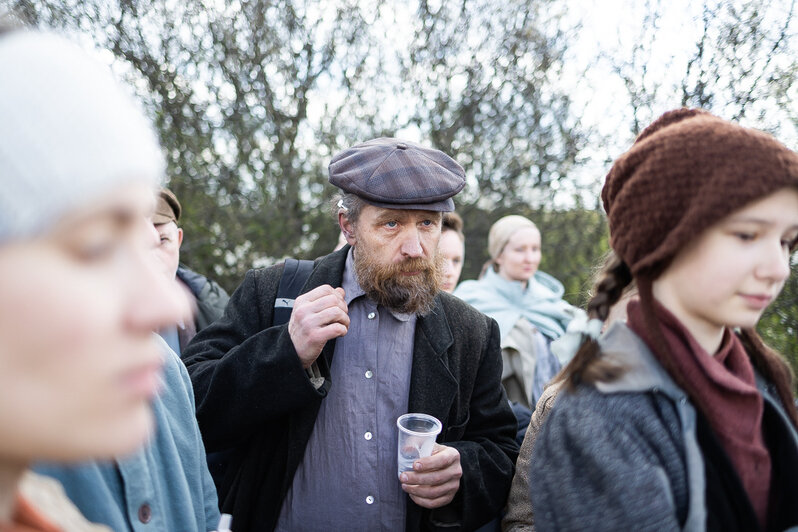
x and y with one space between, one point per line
347 228
179 237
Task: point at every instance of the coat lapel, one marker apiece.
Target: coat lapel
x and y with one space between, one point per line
328 270
433 387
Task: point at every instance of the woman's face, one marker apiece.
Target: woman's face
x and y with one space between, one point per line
452 250
520 257
79 364
732 271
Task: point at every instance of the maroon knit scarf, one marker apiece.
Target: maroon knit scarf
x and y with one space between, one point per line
724 389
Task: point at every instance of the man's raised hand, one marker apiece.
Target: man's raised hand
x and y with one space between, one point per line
318 316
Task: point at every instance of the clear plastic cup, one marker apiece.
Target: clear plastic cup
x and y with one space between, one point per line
417 433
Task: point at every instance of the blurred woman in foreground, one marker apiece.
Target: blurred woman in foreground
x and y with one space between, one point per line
79 294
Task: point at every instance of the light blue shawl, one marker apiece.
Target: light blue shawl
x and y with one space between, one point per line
506 301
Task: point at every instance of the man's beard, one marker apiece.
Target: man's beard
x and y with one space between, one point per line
387 286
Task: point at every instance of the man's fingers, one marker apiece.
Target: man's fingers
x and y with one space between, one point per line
320 292
435 479
304 308
317 317
430 478
432 503
431 492
327 307
326 316
432 496
316 293
442 457
320 335
437 469
433 476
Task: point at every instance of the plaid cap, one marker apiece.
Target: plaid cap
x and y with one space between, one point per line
167 209
398 174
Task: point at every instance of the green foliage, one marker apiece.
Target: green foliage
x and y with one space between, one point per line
740 65
251 99
779 325
483 71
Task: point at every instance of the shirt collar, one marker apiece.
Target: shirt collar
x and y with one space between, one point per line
349 284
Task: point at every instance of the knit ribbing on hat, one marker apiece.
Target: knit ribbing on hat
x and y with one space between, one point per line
68 133
684 173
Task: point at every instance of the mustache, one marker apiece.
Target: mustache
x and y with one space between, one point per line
409 265
388 284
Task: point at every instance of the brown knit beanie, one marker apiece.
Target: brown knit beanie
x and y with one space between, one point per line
685 172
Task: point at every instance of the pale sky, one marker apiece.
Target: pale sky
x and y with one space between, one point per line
610 29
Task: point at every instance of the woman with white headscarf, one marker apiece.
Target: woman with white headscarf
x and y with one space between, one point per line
526 303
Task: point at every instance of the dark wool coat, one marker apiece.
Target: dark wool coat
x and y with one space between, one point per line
254 397
210 297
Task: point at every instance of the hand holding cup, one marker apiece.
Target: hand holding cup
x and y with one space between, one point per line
429 472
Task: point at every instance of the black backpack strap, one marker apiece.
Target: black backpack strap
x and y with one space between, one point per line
295 275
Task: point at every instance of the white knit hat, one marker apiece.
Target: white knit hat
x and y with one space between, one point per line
69 133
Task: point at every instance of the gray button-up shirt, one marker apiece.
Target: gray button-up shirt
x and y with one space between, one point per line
348 479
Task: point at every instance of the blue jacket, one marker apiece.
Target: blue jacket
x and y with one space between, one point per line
165 486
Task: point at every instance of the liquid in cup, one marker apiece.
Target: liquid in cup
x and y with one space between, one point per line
417 433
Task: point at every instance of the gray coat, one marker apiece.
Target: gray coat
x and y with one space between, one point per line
624 455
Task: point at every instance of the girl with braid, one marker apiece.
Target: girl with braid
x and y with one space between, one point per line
681 418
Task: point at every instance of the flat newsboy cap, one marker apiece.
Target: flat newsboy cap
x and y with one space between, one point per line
167 209
398 174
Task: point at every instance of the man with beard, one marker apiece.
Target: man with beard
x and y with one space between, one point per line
307 410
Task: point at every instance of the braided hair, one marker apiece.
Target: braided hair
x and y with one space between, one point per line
614 281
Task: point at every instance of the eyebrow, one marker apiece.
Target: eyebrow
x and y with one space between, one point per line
757 221
117 217
387 217
402 216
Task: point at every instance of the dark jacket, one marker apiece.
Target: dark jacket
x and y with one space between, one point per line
254 396
210 298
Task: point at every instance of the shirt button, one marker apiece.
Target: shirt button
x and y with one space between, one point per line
369 374
369 500
368 435
372 315
145 513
